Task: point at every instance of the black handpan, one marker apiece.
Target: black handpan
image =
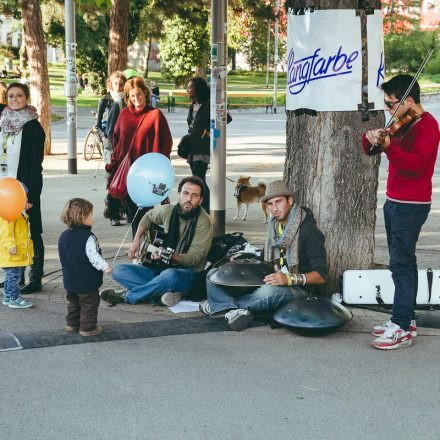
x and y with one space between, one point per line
312 315
240 277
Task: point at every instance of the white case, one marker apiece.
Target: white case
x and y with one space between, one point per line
361 286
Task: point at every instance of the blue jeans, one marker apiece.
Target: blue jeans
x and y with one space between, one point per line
403 222
265 297
146 284
11 288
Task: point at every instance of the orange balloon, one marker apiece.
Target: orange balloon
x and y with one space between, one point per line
12 198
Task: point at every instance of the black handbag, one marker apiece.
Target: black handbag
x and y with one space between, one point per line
183 147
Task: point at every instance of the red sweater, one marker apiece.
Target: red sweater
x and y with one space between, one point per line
411 161
152 136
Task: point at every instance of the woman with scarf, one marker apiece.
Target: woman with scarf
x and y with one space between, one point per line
108 111
22 148
140 129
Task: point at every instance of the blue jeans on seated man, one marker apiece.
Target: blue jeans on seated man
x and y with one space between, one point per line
403 222
146 283
265 297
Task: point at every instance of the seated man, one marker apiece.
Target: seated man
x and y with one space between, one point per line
188 230
295 246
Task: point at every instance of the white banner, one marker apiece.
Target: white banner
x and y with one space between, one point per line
376 63
324 65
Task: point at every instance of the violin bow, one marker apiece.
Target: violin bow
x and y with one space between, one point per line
408 90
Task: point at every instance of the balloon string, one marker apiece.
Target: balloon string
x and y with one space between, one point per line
125 236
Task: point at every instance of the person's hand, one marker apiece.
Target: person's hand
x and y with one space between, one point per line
276 279
378 137
133 251
28 206
109 270
13 251
205 133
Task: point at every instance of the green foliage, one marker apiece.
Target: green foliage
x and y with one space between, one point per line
184 47
8 52
405 52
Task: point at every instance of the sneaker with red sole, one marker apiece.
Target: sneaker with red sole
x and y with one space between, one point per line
379 330
393 337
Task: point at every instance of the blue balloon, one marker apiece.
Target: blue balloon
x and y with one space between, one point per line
150 179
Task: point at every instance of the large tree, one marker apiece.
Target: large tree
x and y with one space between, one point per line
37 61
326 169
118 36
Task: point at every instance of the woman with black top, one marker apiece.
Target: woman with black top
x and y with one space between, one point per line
108 111
22 149
198 129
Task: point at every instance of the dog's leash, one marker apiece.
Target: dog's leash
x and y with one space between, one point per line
230 180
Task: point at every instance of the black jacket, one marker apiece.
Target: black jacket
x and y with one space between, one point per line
30 169
79 276
112 116
197 144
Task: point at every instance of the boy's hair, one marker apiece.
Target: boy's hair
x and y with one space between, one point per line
398 85
76 211
195 180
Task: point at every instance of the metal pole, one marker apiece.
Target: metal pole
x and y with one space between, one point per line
70 87
268 53
218 114
275 61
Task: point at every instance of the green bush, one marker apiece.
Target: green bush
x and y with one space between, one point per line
8 52
405 52
184 47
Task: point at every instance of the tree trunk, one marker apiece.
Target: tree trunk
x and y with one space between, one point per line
37 57
327 170
147 67
118 36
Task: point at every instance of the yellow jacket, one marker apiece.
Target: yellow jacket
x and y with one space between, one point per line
16 234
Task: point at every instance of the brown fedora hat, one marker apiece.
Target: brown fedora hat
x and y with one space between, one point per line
277 189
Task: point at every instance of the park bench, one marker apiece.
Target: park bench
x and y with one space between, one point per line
268 104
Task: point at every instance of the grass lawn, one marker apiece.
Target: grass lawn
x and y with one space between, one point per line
239 82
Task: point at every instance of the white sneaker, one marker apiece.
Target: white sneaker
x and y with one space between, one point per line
393 337
379 330
239 319
170 299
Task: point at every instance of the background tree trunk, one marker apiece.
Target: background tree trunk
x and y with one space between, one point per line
37 58
147 65
118 36
327 170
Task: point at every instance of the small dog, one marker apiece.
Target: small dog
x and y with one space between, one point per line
247 194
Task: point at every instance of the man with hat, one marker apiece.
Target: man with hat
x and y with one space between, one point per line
294 245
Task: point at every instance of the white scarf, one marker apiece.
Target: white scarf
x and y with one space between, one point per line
12 121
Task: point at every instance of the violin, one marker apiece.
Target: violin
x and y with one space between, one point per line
400 126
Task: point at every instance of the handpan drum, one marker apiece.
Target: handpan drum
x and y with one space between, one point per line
240 277
312 315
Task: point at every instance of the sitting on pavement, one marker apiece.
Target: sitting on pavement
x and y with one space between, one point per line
295 246
188 230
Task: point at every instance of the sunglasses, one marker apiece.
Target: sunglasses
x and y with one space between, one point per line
390 104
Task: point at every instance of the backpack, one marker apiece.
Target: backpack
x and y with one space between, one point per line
221 247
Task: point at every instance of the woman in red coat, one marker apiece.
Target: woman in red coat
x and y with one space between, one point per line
141 128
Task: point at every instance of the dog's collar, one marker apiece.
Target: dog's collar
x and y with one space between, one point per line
240 188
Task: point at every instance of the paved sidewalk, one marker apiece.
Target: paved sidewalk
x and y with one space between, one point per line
243 158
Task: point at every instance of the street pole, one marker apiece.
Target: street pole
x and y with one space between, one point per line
268 53
275 62
70 87
218 114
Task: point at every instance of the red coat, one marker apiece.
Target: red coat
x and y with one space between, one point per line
152 136
411 161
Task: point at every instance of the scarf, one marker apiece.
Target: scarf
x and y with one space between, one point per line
118 98
181 246
287 241
12 121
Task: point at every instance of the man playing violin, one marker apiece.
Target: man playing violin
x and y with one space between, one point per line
411 149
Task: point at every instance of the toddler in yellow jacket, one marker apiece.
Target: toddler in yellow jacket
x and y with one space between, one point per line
16 252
